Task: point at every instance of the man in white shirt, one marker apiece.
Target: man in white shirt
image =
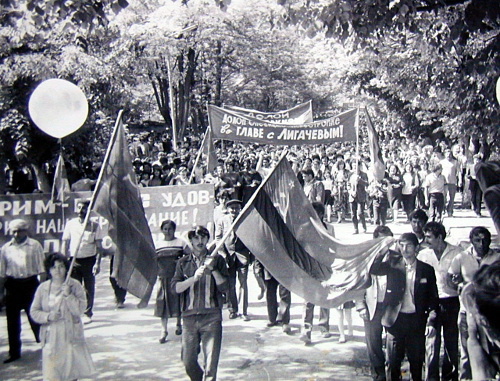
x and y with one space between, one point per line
88 253
461 272
21 265
440 255
450 169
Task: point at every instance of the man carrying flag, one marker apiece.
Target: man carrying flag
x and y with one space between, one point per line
280 227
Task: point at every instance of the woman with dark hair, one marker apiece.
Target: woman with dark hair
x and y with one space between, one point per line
340 176
394 182
168 250
409 190
58 306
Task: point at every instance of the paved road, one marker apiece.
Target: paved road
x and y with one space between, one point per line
124 343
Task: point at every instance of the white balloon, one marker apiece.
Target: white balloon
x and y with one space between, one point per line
58 107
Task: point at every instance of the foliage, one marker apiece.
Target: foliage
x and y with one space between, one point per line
434 63
58 39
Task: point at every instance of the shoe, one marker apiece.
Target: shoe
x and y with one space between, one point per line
365 231
163 338
233 315
287 329
11 359
356 231
342 340
306 338
272 324
120 305
326 334
261 295
178 330
86 319
246 318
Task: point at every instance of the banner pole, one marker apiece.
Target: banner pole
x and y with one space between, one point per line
356 124
92 199
247 206
62 188
200 152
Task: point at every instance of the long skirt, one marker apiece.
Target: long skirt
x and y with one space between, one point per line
64 358
167 301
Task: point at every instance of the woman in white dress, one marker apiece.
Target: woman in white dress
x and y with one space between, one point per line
58 307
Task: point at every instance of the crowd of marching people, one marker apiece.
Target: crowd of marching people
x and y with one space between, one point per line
425 293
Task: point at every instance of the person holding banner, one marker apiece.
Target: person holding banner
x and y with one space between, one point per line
21 263
88 253
58 306
201 279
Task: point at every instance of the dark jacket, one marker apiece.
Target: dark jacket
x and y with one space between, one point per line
426 295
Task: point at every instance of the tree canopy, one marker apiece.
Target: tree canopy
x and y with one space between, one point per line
423 67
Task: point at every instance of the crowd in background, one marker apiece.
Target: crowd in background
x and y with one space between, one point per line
419 185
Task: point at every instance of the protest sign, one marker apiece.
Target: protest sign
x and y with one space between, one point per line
186 205
299 114
230 125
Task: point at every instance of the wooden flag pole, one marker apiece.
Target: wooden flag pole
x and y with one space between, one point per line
198 156
218 246
92 199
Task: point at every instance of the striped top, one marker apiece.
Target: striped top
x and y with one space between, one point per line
203 297
167 254
22 260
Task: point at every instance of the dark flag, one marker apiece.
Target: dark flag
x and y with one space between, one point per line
208 151
60 187
378 166
280 227
117 198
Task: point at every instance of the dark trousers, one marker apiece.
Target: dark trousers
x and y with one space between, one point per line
373 337
476 196
233 297
358 211
275 312
120 293
436 206
405 336
19 296
446 322
408 203
380 211
205 331
324 318
83 272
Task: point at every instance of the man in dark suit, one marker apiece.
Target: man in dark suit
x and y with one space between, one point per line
410 305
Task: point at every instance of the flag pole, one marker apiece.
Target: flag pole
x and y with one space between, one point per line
356 123
198 156
247 206
92 199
